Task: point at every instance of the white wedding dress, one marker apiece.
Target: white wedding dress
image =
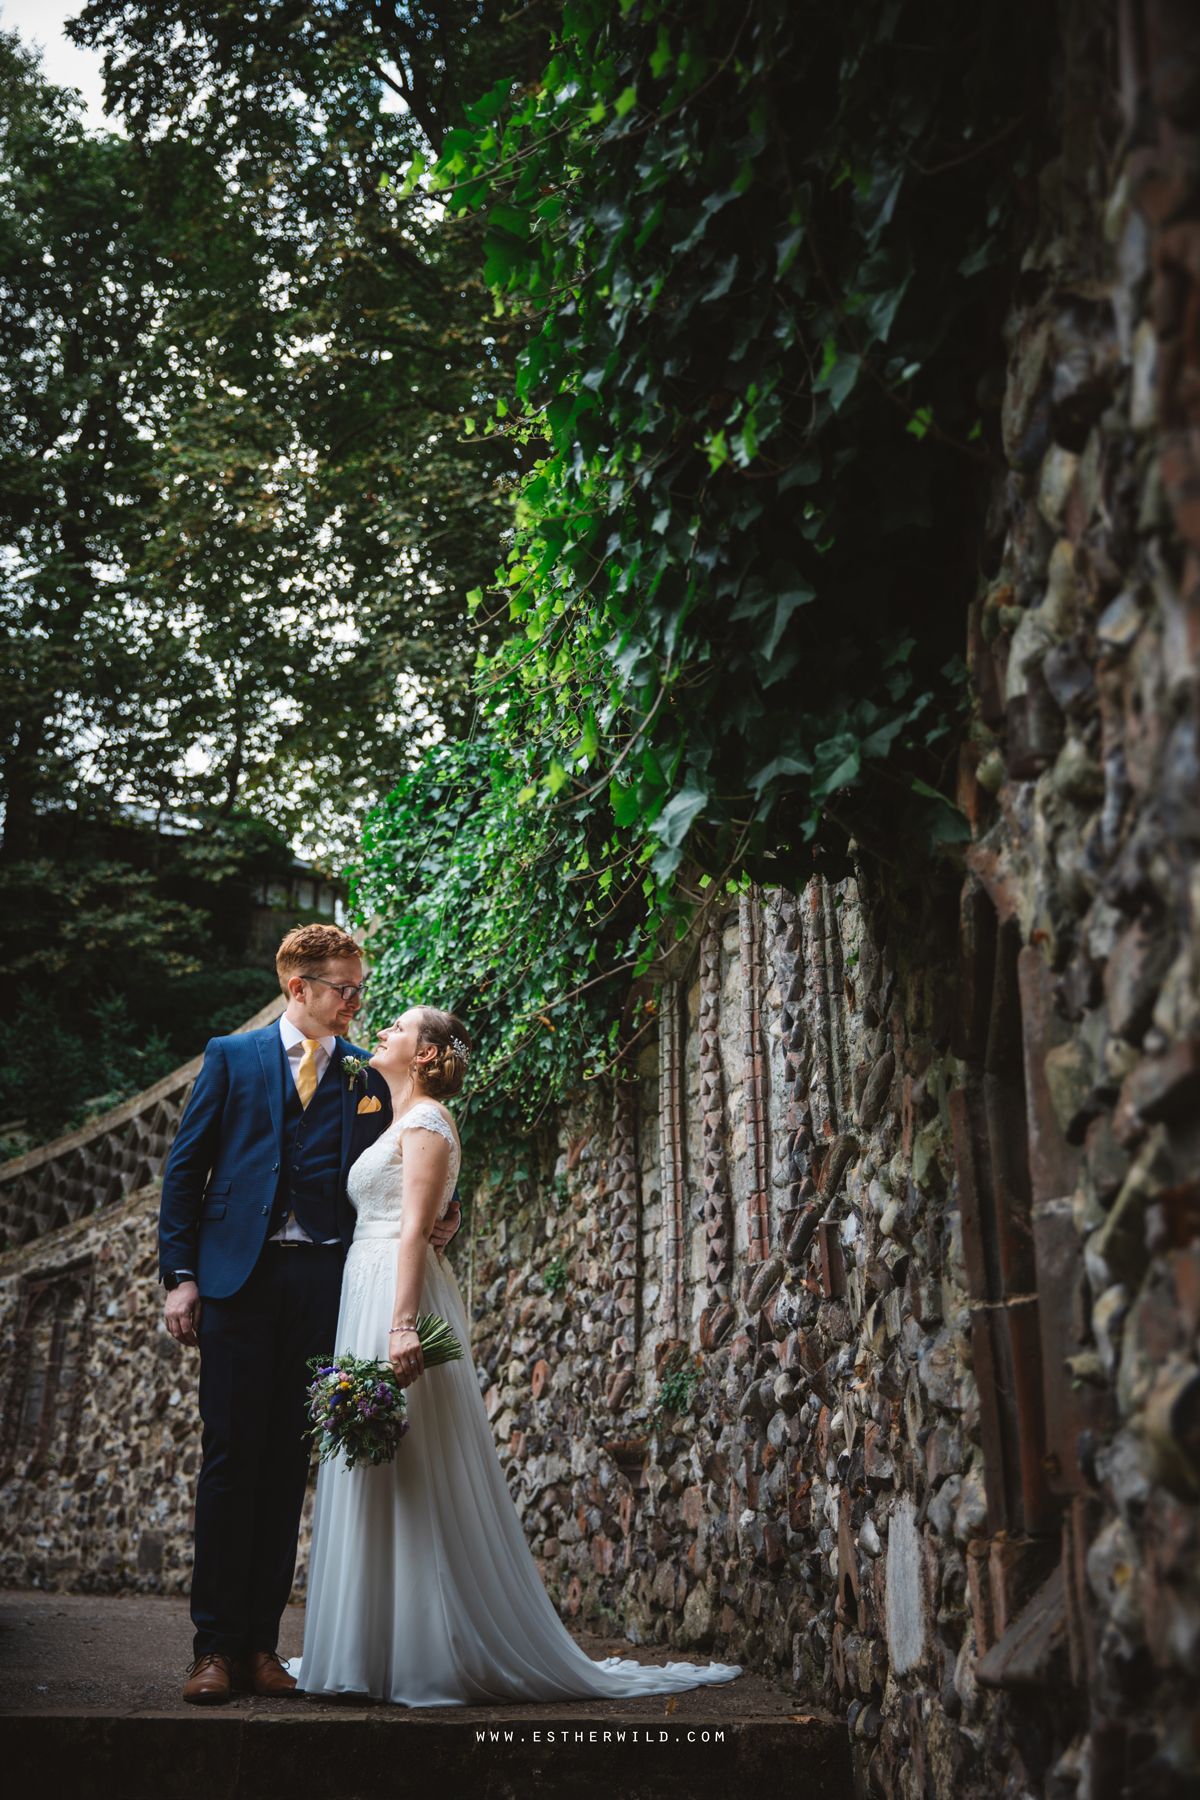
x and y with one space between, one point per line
422 1588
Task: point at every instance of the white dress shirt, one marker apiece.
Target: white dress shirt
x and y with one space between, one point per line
293 1048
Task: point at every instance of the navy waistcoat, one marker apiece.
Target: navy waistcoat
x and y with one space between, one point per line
312 1158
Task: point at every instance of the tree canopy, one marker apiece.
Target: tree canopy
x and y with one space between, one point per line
243 505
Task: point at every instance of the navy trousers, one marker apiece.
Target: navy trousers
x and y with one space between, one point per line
254 1351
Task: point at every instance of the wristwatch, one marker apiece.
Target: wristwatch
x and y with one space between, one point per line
171 1278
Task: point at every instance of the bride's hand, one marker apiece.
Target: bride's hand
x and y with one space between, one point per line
406 1356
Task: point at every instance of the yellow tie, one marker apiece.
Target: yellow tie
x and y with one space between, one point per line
306 1074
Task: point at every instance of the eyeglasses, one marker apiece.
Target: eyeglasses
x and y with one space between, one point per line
349 992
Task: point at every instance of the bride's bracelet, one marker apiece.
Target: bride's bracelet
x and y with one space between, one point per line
398 1328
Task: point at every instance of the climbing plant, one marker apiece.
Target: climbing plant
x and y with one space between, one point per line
761 254
504 914
765 249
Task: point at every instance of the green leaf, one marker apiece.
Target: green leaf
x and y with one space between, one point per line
416 169
675 820
661 57
624 802
836 763
793 763
838 375
786 250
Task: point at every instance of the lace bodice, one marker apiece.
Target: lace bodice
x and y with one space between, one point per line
376 1181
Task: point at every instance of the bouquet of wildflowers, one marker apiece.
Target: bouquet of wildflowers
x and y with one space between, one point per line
357 1405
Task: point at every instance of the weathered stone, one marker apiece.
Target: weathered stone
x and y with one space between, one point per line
765 1281
970 1513
698 1629
1114 1574
1069 1079
876 1092
1166 1086
907 1607
1171 1428
941 1507
938 1374
1120 1243
1107 1162
1132 978
943 1452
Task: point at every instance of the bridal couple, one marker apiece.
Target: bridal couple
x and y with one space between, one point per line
304 1211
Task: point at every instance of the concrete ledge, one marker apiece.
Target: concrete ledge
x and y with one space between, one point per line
211 1756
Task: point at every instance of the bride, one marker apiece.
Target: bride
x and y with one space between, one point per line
422 1588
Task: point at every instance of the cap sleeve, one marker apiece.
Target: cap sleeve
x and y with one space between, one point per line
424 1116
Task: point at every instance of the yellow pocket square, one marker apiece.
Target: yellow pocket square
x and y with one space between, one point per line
370 1104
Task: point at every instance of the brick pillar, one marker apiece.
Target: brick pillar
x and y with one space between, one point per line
621 1183
670 1120
754 1077
718 1316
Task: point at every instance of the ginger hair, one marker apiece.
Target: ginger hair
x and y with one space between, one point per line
310 949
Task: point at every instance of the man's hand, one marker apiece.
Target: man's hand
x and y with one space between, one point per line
444 1229
182 1314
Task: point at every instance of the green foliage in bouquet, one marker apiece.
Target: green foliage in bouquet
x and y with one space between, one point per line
357 1404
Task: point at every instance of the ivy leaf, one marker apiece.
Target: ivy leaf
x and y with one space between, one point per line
838 376
727 270
675 820
661 57
624 803
792 763
717 451
786 250
836 763
937 819
992 250
803 473
799 593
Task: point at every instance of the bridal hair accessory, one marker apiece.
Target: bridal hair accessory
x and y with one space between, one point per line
460 1050
357 1405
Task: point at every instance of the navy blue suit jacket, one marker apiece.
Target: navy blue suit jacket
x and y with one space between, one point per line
223 1171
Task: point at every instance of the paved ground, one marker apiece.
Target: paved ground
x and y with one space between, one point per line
128 1654
90 1709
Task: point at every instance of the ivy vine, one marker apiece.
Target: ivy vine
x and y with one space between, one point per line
519 919
761 254
764 249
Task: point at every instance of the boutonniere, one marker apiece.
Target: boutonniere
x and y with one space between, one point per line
353 1067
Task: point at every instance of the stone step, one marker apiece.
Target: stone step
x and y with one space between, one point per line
374 1755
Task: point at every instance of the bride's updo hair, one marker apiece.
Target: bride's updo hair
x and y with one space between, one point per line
442 1076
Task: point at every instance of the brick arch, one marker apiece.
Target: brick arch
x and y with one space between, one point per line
58 1299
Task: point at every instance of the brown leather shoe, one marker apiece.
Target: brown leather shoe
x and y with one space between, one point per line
208 1682
268 1675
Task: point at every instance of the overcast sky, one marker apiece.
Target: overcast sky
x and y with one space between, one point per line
40 23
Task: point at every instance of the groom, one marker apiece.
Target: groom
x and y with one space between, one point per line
253 1228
